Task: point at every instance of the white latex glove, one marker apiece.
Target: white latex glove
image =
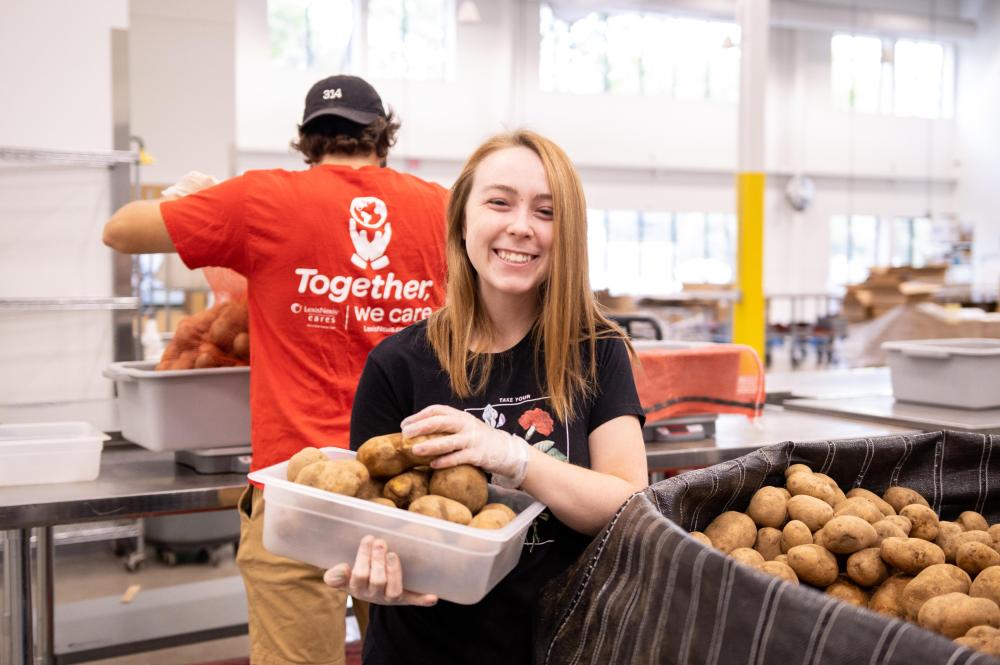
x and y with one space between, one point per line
193 181
468 440
376 577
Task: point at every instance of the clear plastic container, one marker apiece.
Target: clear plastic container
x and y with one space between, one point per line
960 372
66 452
182 409
455 562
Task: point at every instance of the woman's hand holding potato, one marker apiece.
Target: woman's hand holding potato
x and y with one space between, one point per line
377 577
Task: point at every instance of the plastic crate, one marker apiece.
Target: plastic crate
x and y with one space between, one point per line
962 372
182 409
66 452
455 562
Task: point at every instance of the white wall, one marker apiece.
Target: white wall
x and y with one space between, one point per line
637 152
182 85
979 143
56 78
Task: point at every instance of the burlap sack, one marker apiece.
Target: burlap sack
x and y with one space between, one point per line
646 592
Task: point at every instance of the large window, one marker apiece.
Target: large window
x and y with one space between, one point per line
310 34
405 39
640 53
901 77
860 242
411 39
656 253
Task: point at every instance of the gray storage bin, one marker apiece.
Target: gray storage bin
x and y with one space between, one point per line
963 373
182 409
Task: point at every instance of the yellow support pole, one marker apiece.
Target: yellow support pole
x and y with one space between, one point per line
748 313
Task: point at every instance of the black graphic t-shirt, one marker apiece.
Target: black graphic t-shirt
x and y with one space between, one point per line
401 377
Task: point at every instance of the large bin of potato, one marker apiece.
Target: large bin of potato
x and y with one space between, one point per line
648 591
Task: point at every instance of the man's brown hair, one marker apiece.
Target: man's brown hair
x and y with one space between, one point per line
333 135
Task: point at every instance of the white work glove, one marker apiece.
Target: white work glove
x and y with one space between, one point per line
376 577
464 439
192 182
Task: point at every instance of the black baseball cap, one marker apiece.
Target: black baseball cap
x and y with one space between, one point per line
345 96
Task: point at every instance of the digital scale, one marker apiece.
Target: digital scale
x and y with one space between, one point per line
231 459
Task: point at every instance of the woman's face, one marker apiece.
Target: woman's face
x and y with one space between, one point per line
508 224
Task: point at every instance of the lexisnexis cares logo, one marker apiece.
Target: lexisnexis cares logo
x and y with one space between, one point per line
370 232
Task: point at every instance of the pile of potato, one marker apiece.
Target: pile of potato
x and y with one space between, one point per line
216 337
387 472
890 554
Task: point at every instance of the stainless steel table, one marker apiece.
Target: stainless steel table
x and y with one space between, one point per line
133 482
736 436
827 384
885 409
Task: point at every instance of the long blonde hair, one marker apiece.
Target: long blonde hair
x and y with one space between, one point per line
570 320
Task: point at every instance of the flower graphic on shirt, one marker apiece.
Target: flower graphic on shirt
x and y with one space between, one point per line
493 418
536 420
369 215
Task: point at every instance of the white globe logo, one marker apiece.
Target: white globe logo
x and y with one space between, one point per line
369 212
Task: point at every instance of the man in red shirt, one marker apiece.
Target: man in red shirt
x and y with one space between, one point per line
337 257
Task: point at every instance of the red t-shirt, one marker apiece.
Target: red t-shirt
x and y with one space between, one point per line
336 259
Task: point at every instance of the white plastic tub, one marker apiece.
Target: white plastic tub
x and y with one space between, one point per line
963 373
455 562
182 409
33 454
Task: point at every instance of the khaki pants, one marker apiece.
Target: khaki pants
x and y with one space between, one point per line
293 616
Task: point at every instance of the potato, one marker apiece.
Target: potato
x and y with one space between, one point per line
383 455
924 520
848 592
702 538
866 567
731 530
983 631
888 598
344 476
302 459
903 523
782 558
407 448
974 557
859 507
953 614
810 485
880 503
899 497
910 555
994 532
813 565
947 531
442 508
886 529
970 520
809 510
371 489
987 585
960 539
496 517
795 533
838 494
406 488
768 542
463 483
977 638
747 556
933 581
848 534
382 501
768 507
796 468
780 569
231 320
241 346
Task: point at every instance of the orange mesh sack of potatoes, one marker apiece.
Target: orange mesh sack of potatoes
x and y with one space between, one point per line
216 337
882 550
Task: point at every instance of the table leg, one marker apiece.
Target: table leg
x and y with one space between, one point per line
17 589
44 588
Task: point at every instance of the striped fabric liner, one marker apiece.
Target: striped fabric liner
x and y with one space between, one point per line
646 592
